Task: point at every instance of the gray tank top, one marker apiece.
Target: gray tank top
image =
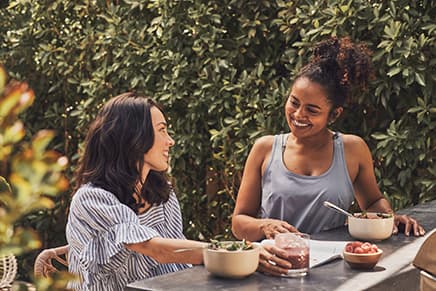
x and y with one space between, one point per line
298 199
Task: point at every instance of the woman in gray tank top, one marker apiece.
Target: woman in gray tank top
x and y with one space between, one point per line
287 177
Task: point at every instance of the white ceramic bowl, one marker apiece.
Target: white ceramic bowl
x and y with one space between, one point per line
231 264
362 261
373 228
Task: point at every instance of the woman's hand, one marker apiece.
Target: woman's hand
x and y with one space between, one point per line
271 227
409 223
272 261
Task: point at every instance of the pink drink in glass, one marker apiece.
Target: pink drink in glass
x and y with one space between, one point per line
296 246
299 258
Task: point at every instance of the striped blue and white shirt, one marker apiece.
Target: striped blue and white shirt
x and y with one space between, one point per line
98 227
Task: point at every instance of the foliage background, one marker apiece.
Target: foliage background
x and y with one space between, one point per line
222 70
29 175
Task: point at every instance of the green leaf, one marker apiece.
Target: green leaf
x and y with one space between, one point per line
379 136
41 141
3 78
414 109
260 69
344 8
420 79
229 120
394 71
14 133
4 185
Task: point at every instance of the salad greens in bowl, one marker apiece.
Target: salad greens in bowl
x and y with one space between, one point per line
231 259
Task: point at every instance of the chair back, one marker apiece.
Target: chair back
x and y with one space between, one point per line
44 261
8 271
425 259
427 281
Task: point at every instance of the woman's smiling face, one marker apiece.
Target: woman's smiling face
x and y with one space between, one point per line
307 108
157 157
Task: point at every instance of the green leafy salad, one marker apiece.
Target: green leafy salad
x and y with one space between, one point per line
364 214
230 245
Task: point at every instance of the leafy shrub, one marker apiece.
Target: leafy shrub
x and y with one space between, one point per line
30 174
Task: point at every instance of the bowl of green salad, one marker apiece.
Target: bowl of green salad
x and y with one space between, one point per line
231 259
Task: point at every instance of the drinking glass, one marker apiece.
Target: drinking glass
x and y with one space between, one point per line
297 250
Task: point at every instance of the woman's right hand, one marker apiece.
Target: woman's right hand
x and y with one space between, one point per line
271 227
272 261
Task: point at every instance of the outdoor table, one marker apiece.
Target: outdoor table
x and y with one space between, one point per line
394 271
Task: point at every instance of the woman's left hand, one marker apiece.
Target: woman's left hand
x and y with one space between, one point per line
409 223
273 261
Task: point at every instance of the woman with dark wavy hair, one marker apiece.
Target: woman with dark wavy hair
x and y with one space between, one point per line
124 222
287 177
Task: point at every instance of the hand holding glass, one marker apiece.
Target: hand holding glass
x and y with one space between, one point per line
296 246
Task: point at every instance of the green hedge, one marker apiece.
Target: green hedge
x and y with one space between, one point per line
222 69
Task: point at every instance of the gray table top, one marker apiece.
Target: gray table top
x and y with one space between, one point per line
394 271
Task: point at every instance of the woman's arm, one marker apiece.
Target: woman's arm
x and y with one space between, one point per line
244 221
368 194
163 250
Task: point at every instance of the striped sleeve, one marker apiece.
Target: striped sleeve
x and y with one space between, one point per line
105 225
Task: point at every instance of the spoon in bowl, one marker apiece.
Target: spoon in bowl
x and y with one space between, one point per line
337 209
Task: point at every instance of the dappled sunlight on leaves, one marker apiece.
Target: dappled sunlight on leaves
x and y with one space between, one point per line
29 173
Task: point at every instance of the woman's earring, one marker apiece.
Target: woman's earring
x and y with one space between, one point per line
332 120
333 117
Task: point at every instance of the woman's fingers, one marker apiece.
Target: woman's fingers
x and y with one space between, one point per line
290 228
272 260
273 227
395 230
406 225
272 270
410 224
421 230
417 229
47 270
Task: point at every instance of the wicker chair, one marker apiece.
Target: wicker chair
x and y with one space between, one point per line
43 262
8 270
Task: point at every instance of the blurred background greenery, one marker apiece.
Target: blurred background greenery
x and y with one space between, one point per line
30 176
222 71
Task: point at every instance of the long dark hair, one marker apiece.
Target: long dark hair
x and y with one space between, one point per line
114 152
340 67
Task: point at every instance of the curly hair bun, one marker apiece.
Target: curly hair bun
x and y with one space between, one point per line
340 66
354 60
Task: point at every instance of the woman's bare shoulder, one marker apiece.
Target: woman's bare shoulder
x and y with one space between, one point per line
352 139
261 149
354 144
264 143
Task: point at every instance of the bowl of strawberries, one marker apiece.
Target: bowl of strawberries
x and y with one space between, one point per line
362 255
